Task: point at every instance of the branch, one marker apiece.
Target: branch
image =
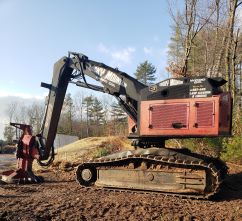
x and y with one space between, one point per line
238 4
206 20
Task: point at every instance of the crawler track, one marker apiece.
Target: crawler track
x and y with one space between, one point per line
169 173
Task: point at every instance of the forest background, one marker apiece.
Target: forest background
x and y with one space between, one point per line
206 41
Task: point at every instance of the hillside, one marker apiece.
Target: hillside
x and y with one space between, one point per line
86 149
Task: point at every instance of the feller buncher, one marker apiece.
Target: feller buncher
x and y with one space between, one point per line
186 107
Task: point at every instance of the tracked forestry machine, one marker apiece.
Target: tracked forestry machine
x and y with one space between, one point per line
174 108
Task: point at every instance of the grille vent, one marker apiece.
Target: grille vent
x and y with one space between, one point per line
164 115
205 114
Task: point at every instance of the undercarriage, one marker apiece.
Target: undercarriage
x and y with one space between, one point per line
155 169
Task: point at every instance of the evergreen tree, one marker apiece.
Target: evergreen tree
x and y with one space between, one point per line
88 102
119 119
67 116
117 113
97 112
145 73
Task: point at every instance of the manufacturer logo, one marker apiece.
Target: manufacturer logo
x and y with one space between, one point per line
153 88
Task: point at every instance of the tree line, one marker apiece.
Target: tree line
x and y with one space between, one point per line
86 116
18 112
81 115
206 40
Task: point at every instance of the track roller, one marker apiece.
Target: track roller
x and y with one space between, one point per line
86 175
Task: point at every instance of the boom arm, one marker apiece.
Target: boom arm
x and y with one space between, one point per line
139 101
78 66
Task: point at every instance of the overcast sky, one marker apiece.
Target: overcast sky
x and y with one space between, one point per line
35 34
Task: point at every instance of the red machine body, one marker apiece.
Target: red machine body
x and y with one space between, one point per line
210 116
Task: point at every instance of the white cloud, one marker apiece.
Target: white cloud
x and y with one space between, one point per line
123 55
21 95
148 50
120 57
102 48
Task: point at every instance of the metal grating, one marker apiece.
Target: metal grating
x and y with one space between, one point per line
164 115
205 114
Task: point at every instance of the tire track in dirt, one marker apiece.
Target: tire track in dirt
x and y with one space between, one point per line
61 198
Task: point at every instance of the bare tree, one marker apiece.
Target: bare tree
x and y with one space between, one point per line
21 115
234 62
11 110
79 108
35 115
196 15
231 45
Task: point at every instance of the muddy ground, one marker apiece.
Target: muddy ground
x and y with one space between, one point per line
61 198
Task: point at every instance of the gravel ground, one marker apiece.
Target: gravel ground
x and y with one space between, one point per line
62 198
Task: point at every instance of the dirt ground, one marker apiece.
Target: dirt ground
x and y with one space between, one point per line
60 197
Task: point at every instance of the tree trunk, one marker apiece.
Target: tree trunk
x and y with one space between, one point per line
230 36
234 52
219 61
216 36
